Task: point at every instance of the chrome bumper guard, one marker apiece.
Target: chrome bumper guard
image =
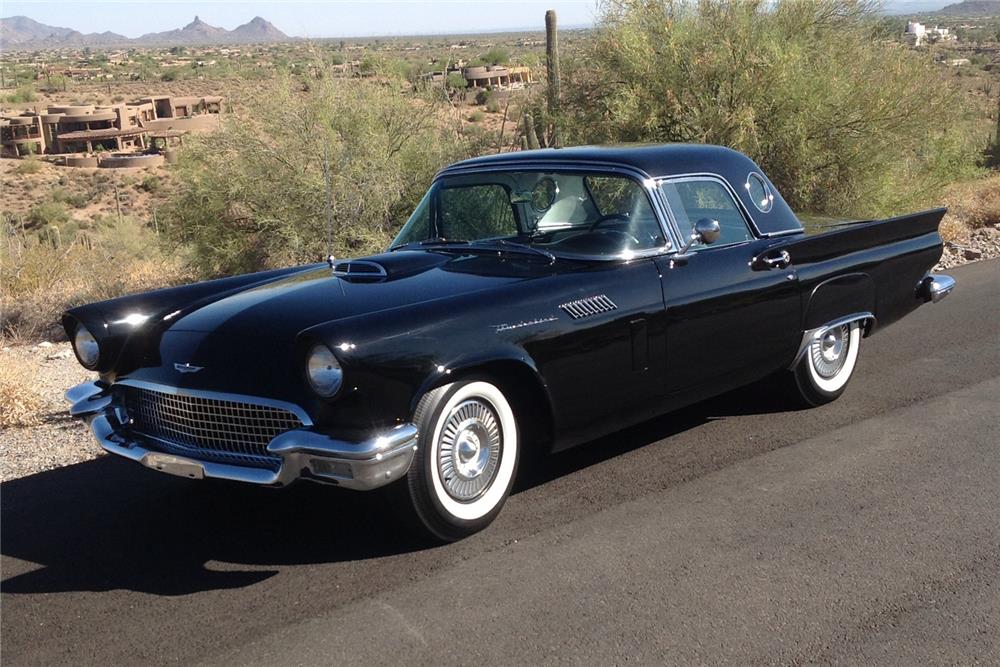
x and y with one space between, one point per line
936 287
304 454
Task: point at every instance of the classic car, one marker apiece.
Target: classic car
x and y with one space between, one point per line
533 301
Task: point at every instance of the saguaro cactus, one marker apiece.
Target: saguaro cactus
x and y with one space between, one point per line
530 136
552 67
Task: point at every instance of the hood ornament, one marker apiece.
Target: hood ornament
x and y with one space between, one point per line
187 368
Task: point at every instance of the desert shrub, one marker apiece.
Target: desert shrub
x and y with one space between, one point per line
484 97
20 401
41 280
493 105
456 81
64 196
253 194
29 165
496 56
842 119
22 94
151 184
476 116
47 213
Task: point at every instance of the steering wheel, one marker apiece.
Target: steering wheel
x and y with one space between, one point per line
616 217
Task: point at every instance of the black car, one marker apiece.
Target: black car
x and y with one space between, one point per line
534 300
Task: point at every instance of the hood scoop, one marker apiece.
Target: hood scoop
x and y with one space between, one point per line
360 270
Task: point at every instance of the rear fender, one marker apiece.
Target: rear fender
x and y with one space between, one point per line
838 297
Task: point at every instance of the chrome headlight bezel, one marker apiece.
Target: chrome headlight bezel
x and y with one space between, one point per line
86 348
323 371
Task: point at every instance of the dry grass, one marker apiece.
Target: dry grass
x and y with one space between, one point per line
20 401
40 280
971 206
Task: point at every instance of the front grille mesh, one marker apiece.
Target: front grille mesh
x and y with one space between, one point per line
209 428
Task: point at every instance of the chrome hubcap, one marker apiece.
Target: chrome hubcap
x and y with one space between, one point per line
830 352
469 450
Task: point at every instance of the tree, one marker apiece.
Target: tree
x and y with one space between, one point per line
842 121
252 195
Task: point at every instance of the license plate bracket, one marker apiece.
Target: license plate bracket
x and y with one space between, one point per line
174 465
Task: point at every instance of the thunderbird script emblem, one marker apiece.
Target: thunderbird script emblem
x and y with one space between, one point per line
187 368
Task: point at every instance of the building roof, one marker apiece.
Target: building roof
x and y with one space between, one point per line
655 161
105 133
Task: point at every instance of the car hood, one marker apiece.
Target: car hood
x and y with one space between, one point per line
286 306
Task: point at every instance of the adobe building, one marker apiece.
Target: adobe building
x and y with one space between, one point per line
496 76
122 127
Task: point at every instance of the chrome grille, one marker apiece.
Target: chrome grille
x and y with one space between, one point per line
208 428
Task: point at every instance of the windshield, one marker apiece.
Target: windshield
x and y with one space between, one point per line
563 213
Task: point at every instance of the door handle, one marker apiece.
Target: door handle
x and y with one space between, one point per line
780 261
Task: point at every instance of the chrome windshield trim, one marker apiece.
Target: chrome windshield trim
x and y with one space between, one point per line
645 181
219 395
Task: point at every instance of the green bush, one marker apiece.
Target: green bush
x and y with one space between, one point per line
253 194
843 120
151 184
476 116
22 94
47 213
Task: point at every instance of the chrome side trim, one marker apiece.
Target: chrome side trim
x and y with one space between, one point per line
812 335
591 305
936 287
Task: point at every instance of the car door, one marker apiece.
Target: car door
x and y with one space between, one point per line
732 307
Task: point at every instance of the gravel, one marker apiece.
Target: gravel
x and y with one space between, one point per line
983 243
59 440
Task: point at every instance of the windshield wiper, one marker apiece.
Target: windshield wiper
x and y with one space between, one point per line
440 241
514 246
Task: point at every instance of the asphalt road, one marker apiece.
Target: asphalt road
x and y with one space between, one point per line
733 531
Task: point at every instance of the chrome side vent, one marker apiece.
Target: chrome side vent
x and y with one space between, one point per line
592 305
360 270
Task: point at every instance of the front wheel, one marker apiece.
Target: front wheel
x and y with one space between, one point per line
821 375
466 459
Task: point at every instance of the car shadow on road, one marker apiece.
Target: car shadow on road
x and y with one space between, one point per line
109 524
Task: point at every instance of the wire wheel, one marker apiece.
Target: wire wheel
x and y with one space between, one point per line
829 353
469 450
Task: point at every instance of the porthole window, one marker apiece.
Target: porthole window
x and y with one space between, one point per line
760 193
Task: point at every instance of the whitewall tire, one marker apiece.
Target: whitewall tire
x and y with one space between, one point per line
466 459
827 365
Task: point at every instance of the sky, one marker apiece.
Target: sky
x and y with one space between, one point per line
305 18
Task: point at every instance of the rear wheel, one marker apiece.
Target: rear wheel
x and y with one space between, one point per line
466 460
825 368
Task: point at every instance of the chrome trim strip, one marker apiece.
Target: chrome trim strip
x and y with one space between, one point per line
937 287
221 396
815 334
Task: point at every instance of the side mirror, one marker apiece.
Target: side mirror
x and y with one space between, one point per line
705 231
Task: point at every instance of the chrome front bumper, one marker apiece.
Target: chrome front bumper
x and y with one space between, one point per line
304 454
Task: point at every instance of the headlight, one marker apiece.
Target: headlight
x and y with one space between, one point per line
324 371
87 349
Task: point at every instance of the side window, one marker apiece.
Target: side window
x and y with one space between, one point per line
476 212
691 200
